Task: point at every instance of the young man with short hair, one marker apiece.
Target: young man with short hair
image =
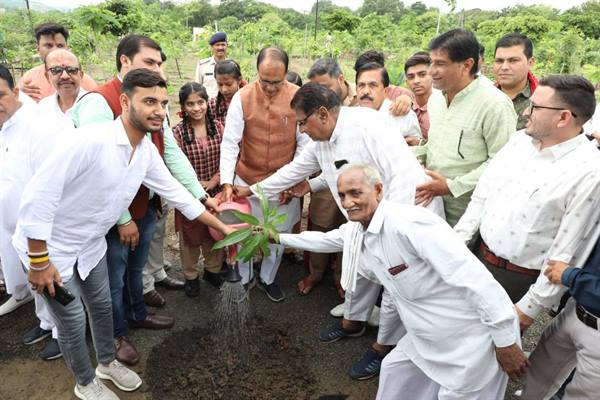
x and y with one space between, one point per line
513 60
418 79
70 205
48 36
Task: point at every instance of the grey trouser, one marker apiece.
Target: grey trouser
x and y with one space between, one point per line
70 321
567 343
360 303
154 270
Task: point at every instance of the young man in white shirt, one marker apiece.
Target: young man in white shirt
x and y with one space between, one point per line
69 206
539 200
461 328
343 135
26 138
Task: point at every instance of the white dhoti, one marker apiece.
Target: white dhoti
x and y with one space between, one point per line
400 378
270 264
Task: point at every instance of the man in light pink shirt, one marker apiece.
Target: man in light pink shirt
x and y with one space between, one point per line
420 82
48 36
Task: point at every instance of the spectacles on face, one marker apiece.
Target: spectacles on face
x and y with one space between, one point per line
59 70
271 83
302 121
533 106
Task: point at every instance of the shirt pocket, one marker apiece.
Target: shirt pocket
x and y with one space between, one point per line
530 218
469 143
407 283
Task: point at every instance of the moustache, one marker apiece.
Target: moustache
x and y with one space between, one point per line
366 97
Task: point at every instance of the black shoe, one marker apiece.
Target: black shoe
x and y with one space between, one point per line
192 287
273 291
249 285
214 278
35 335
51 351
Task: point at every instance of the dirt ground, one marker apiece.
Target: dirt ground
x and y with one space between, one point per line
284 359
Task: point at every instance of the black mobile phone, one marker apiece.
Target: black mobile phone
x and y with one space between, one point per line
61 294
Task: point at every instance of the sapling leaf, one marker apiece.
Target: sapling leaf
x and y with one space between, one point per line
249 249
279 219
247 218
264 246
233 238
264 203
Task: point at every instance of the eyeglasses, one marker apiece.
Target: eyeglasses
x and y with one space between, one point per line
59 70
302 121
534 106
270 83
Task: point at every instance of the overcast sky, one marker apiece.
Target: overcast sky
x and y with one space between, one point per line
305 5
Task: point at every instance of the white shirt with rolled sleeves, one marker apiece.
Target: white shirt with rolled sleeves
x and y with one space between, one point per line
80 192
453 310
406 125
532 206
360 136
234 132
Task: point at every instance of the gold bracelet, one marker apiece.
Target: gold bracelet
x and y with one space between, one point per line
37 260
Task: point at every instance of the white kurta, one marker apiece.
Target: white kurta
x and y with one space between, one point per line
532 206
82 189
360 136
26 139
50 105
453 310
405 125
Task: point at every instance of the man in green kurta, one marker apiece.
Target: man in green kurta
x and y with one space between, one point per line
469 122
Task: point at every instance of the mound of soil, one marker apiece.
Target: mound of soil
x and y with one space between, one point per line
200 364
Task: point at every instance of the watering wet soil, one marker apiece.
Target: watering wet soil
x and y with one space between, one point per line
178 363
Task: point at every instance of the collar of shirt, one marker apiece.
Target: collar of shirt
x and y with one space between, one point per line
351 99
561 149
339 125
54 97
377 220
121 134
464 92
15 117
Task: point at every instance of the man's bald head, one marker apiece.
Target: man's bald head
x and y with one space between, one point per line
64 73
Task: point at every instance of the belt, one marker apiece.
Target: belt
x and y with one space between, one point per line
500 262
586 317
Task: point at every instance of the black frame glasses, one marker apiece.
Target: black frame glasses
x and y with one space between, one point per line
302 121
534 106
59 70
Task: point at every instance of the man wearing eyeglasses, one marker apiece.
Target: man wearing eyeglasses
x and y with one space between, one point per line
260 137
49 37
64 73
539 199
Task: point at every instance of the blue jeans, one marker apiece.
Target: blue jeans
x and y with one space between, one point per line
125 272
70 321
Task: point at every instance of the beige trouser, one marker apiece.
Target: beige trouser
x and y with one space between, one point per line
567 343
154 270
190 255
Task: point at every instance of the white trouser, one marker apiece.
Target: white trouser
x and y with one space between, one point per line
154 269
360 303
566 343
18 285
400 378
270 265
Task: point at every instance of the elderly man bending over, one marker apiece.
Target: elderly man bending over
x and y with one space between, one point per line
461 327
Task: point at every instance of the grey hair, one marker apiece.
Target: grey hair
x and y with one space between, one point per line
372 175
325 66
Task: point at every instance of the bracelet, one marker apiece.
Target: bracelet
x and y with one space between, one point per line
39 269
125 224
38 254
37 260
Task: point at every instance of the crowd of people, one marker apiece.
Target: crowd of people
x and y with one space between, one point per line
451 213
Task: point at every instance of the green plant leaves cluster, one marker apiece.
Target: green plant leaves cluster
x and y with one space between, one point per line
255 238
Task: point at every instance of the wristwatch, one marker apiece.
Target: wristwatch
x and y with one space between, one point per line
203 198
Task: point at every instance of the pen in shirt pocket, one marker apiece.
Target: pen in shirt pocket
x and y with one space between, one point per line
459 142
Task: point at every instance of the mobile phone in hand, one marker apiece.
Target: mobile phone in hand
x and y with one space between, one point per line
61 294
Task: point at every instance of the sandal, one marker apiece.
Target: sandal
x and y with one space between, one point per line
306 285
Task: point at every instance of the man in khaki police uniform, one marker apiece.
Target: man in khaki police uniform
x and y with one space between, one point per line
205 69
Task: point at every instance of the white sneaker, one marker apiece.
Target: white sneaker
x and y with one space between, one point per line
123 378
374 317
338 311
95 390
12 304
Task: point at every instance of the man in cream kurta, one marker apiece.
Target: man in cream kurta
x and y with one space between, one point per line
457 317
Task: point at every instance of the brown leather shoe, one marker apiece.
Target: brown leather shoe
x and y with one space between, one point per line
126 351
170 283
154 299
153 322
